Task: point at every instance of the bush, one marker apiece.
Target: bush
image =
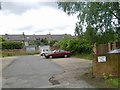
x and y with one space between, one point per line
52 42
12 45
76 45
2 39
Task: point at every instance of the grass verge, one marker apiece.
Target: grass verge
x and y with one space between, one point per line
100 82
17 54
113 82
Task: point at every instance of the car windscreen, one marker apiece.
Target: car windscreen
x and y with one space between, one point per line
62 50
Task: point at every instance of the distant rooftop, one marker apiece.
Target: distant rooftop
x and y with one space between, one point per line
21 37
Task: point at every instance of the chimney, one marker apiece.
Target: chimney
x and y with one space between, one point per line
23 37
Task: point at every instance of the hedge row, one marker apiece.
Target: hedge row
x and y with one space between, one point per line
12 45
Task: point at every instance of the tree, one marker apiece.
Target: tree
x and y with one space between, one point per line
101 16
44 41
2 39
37 42
52 42
108 36
90 35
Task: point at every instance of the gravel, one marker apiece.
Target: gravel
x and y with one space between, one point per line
73 68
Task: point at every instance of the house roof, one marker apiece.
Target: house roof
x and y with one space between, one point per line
21 37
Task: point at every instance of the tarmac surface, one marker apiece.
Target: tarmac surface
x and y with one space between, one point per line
28 72
38 72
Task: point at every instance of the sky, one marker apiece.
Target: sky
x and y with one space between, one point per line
39 18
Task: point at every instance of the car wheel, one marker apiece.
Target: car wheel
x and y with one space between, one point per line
46 57
50 56
65 56
43 54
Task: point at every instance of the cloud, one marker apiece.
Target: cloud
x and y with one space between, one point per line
40 20
25 28
29 0
20 7
51 29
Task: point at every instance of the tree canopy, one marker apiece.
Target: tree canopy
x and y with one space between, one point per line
101 16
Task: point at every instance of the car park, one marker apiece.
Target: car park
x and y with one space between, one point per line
58 53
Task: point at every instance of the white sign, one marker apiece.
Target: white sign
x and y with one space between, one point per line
102 59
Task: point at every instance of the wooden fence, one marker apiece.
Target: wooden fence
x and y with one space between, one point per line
104 48
111 65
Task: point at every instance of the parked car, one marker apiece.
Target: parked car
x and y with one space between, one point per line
45 51
58 53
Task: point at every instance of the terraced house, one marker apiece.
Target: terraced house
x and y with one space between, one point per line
33 41
23 37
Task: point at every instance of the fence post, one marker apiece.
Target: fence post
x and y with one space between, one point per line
114 45
95 49
109 46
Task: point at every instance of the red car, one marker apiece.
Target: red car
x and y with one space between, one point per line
58 53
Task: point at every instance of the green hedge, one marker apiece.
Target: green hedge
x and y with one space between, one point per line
12 45
76 45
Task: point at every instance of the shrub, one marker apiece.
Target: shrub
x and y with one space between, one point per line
52 42
12 45
76 45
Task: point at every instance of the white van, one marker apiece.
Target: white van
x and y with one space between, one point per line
44 51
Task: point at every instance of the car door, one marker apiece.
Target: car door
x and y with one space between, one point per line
57 53
62 53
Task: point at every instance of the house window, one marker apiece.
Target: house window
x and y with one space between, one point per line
28 37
